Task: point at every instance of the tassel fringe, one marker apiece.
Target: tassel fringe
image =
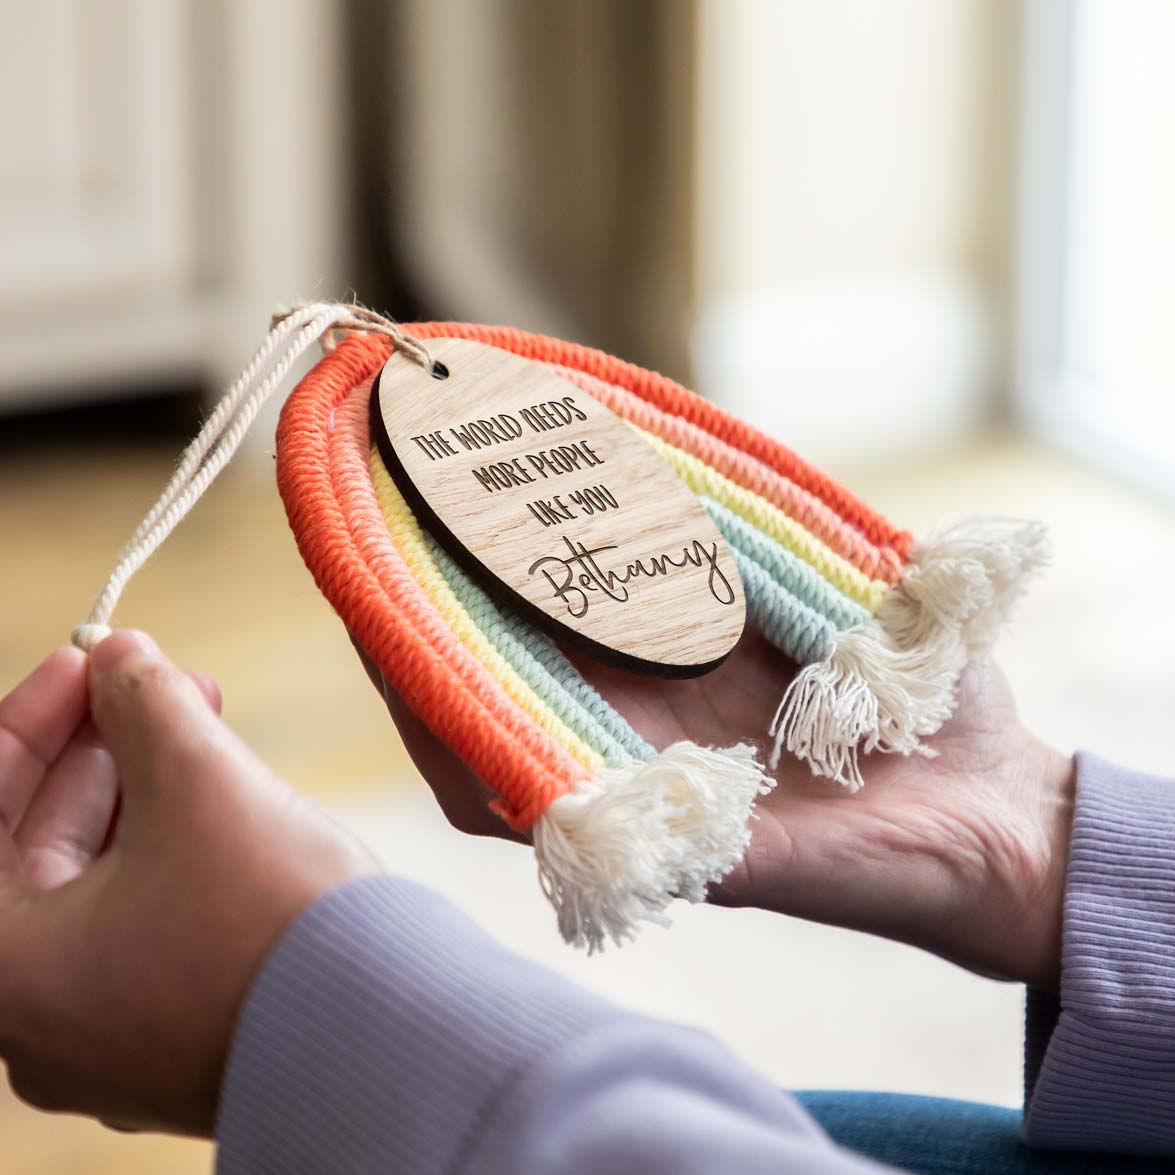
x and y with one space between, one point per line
965 580
867 695
886 686
618 850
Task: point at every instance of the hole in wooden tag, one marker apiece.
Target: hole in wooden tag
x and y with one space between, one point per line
558 509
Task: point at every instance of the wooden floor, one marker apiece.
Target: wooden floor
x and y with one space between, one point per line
228 594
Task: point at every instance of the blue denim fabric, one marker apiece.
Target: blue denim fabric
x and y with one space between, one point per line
938 1136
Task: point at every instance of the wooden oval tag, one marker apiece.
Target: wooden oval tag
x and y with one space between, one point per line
559 509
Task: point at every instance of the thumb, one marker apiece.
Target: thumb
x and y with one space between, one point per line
154 719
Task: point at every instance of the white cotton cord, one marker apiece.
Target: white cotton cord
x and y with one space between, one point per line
218 440
206 437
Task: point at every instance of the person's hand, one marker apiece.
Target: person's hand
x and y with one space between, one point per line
962 854
148 863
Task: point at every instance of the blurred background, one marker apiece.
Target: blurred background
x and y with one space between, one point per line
928 243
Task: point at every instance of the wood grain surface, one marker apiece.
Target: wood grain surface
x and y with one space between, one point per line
559 508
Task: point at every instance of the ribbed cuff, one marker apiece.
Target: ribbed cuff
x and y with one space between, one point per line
382 1027
1104 1077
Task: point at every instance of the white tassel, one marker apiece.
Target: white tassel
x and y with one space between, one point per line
886 686
616 851
867 695
964 580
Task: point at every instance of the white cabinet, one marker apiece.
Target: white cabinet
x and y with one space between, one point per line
93 176
165 179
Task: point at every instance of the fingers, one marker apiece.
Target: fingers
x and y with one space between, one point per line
369 666
208 687
156 720
37 719
58 783
462 797
67 821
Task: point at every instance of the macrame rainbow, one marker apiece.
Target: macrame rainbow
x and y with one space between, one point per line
880 625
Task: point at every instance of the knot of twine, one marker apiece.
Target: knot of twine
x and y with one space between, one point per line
217 442
353 316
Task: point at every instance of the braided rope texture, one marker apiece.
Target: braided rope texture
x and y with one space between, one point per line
814 561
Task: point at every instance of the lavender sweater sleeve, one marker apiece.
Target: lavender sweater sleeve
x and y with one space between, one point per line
1100 1061
387 1033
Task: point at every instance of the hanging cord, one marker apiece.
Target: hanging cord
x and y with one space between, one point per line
216 443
